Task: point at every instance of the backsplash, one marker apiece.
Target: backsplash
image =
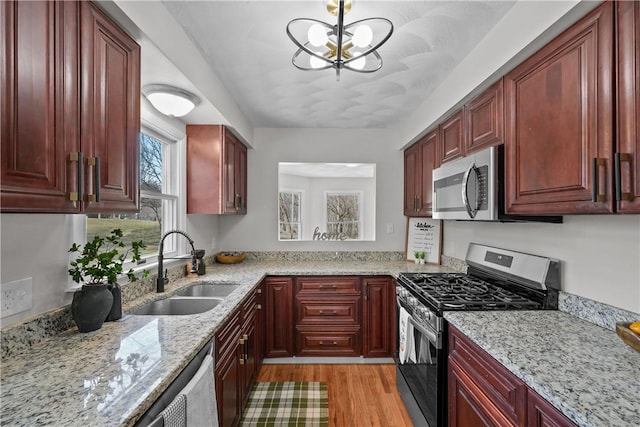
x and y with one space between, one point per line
595 312
325 256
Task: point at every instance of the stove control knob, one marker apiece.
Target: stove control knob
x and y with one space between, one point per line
413 301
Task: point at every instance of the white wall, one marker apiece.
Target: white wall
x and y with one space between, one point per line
257 231
600 254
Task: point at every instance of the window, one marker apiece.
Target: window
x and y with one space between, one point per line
344 213
289 206
158 199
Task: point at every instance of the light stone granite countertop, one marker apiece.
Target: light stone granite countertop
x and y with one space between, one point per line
584 370
110 377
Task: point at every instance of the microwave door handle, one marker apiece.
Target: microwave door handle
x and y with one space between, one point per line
465 196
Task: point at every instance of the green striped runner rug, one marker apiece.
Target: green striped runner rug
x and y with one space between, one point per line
287 404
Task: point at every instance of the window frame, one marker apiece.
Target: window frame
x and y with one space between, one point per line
175 170
300 213
325 218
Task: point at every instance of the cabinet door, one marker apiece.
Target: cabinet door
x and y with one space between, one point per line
228 393
468 406
484 119
229 354
451 138
229 194
278 304
241 178
428 162
379 323
39 126
559 123
541 413
250 355
412 172
628 149
110 76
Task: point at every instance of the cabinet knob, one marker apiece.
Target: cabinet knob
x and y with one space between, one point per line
245 337
241 341
259 306
242 360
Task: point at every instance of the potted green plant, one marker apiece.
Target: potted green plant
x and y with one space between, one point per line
97 267
416 257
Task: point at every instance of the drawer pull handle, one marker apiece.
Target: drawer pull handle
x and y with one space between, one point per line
333 343
328 313
328 287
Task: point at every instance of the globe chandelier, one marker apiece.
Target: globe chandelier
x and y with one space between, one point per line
322 46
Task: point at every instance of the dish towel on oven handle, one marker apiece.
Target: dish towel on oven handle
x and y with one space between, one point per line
406 351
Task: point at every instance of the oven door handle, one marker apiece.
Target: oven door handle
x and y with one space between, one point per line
431 335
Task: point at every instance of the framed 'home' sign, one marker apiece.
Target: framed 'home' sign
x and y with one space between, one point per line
424 235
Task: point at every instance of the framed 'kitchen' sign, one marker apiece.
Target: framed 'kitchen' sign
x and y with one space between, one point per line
424 235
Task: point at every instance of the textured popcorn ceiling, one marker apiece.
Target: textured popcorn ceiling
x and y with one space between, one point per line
246 44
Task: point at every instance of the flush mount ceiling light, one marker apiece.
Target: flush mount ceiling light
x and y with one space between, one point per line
169 100
351 47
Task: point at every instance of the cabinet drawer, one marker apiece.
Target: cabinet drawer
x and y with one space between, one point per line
316 342
325 311
227 337
503 388
328 285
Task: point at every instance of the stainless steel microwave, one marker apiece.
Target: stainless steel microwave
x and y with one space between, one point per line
472 188
466 188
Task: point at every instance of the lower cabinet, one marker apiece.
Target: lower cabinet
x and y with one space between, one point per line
330 316
278 294
239 353
379 316
482 392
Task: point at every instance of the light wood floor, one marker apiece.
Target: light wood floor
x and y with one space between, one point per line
359 395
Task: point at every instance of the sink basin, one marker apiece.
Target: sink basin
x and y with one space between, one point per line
177 306
208 290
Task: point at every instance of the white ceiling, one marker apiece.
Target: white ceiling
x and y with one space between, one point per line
246 47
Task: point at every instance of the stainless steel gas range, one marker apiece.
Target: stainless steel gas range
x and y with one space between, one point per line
496 279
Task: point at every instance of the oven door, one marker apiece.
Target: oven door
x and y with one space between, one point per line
421 370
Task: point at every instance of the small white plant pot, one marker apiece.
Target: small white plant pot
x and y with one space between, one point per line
417 261
421 260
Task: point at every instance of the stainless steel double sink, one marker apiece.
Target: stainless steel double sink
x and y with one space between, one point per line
197 298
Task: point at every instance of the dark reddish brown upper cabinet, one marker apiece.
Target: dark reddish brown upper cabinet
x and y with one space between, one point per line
216 171
278 306
419 161
559 115
71 117
39 44
484 119
451 138
379 317
627 156
110 111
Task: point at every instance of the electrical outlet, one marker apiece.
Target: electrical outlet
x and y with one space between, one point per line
389 228
16 296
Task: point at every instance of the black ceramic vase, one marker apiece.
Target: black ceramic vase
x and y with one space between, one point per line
90 306
116 308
